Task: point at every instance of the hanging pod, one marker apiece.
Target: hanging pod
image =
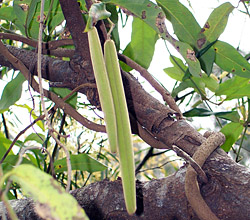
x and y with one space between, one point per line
125 145
103 87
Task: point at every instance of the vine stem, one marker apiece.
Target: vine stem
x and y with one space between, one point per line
39 73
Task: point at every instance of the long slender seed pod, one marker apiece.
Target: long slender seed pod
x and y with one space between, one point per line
125 145
103 87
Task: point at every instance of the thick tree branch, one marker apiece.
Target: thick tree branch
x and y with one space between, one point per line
164 198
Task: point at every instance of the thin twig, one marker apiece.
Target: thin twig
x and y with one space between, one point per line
192 162
145 159
144 73
39 72
5 127
51 45
52 96
19 134
158 167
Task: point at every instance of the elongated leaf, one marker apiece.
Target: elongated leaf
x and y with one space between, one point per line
21 8
49 196
237 87
210 32
217 22
4 145
62 92
178 71
6 13
200 112
144 9
142 43
31 12
174 73
229 59
185 25
207 61
39 138
33 114
12 92
154 17
210 83
80 162
10 162
232 132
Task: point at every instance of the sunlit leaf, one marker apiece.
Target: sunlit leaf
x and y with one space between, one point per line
232 132
185 25
154 17
12 92
4 145
34 116
210 82
62 92
31 12
142 43
200 112
21 9
230 60
216 23
47 193
174 73
11 160
81 162
6 13
237 87
39 138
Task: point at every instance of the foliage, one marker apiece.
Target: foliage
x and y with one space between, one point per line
200 87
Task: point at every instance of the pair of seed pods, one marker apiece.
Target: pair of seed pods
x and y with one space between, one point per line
114 106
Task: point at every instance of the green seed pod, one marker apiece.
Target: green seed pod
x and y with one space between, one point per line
125 145
103 87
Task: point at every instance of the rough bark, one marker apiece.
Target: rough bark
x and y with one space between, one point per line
227 193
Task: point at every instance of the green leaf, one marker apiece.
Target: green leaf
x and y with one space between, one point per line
31 13
4 145
97 12
211 83
142 43
21 9
49 196
177 62
62 92
189 55
33 114
230 60
154 17
12 92
207 61
236 87
232 132
7 13
128 51
39 138
144 9
81 162
10 162
174 73
185 25
217 22
211 31
200 112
